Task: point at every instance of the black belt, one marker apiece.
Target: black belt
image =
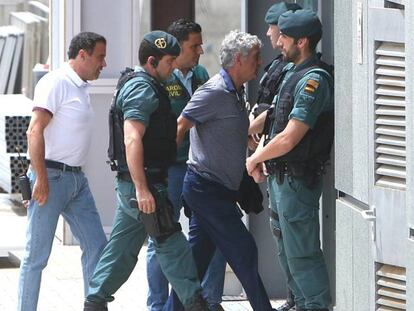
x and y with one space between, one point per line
62 166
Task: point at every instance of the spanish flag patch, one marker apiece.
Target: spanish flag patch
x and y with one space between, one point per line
311 86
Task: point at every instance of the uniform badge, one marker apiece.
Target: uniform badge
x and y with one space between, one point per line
174 90
311 86
160 43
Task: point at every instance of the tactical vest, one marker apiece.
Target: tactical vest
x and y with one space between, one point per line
159 139
270 80
314 148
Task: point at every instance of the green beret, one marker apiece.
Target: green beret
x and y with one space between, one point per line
274 12
299 24
163 42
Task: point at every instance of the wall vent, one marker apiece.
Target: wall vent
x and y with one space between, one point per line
390 122
391 288
394 4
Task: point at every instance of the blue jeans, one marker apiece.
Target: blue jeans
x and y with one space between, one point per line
216 222
213 282
69 196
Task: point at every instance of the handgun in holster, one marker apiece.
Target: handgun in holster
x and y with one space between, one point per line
159 224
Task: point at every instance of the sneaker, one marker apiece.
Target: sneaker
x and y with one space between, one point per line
287 306
94 306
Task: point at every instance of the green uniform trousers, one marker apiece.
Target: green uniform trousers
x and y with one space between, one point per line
120 256
297 237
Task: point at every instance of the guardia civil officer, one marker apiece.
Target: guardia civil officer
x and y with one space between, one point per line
268 88
186 77
143 152
298 145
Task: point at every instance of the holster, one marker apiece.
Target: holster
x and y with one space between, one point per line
278 169
159 224
276 231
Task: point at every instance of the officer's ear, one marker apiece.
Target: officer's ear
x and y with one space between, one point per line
153 61
301 42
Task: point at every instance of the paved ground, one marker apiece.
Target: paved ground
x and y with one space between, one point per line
62 287
12 224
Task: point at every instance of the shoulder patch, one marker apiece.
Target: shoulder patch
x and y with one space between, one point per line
311 86
313 83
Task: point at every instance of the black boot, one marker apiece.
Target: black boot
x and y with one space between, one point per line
199 304
219 308
94 306
290 302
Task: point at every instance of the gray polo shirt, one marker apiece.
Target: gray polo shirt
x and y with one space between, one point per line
218 141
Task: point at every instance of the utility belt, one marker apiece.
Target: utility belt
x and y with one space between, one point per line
154 175
310 172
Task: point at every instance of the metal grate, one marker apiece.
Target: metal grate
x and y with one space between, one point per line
391 288
390 122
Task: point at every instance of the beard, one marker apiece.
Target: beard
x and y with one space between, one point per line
291 55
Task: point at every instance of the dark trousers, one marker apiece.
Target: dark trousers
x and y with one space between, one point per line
216 222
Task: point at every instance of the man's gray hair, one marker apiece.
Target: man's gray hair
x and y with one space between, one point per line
237 42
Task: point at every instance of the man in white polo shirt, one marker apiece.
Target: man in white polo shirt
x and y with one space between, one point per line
59 136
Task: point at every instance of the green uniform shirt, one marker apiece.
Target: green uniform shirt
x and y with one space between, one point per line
179 97
137 99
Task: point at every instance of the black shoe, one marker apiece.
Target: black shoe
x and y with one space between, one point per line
199 304
94 306
288 305
220 308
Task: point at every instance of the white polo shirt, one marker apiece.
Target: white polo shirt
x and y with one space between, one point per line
65 96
